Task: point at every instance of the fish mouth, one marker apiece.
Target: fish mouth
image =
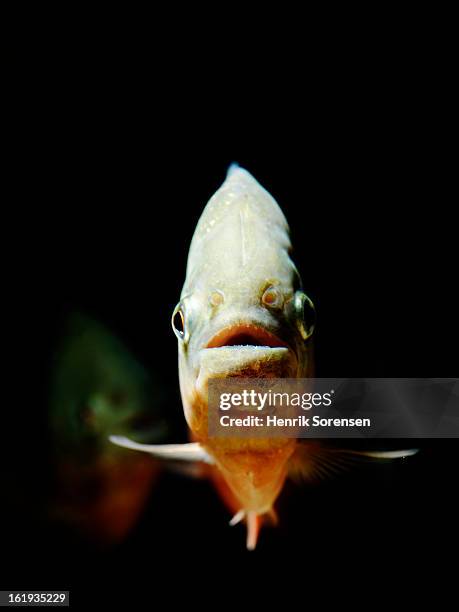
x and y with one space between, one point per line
245 334
245 350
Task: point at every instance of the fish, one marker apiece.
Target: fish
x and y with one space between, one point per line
243 312
97 387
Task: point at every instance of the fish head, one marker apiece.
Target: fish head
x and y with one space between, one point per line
98 388
242 311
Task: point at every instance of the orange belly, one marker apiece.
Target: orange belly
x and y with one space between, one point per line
253 470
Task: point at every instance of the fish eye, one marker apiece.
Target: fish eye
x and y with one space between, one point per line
272 297
306 314
178 322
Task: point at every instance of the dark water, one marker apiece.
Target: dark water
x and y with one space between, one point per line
112 211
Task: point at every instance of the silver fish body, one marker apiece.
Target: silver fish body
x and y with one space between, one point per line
242 309
243 313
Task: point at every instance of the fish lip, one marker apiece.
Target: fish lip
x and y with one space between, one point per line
229 335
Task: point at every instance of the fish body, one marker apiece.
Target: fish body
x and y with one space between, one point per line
243 313
98 388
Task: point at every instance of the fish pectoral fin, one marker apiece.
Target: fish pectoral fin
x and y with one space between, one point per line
191 451
314 461
386 455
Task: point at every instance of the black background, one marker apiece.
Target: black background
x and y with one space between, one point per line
110 175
